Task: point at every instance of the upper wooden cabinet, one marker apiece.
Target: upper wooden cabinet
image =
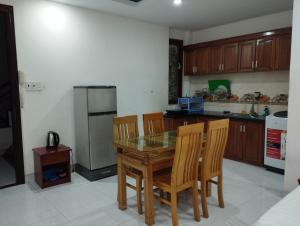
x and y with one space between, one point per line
189 62
216 59
247 56
265 51
265 54
283 52
230 58
202 60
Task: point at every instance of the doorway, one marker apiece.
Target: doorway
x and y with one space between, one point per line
175 70
11 151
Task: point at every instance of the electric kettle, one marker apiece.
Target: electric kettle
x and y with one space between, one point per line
52 139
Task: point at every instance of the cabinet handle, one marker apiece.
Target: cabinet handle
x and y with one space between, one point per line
222 67
256 64
252 64
244 129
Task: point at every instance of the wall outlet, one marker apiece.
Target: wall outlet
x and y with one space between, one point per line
34 86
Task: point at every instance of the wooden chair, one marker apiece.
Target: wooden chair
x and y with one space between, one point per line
184 173
125 128
153 123
211 165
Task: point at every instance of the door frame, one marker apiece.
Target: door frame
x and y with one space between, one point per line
15 95
179 44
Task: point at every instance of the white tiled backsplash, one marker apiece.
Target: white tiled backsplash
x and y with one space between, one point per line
268 83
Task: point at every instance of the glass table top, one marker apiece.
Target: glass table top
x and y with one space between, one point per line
163 141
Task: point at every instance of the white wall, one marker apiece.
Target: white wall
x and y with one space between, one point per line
270 83
253 25
292 172
62 46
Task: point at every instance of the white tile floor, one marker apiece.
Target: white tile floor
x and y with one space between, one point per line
249 191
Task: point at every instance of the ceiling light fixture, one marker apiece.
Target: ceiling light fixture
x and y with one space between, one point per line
177 2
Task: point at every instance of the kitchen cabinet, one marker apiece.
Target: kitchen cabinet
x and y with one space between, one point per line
235 141
196 61
247 56
216 59
230 58
265 54
283 52
245 138
190 62
224 59
264 51
246 142
202 59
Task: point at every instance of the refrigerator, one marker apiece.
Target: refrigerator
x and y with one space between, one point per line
94 110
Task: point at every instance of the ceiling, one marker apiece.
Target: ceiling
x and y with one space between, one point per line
192 14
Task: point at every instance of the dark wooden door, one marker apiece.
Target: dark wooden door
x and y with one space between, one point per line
235 143
254 143
9 93
265 54
202 56
283 52
215 59
189 62
230 58
247 56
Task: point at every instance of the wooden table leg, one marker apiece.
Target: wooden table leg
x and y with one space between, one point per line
148 193
122 195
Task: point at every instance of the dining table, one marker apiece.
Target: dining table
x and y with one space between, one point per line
149 155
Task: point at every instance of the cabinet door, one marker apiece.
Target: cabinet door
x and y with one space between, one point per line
246 56
254 143
169 124
190 62
202 60
215 59
230 56
265 54
235 142
283 52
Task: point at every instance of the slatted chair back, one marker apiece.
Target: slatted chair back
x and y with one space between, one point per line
212 158
188 150
125 127
153 123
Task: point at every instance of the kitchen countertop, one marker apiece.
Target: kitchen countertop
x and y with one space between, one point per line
217 114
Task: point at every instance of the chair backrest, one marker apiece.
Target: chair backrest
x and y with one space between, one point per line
125 127
212 158
188 150
153 123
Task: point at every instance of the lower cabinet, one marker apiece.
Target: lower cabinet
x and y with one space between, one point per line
246 142
245 138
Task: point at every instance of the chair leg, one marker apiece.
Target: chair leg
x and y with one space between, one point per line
196 202
174 208
139 181
209 188
203 199
161 196
220 191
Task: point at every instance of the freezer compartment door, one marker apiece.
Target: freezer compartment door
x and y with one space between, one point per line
102 153
102 100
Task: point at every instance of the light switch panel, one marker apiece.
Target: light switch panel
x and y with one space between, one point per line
34 86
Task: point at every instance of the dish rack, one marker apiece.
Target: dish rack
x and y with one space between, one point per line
192 104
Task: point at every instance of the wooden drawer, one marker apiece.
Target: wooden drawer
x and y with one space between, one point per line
55 158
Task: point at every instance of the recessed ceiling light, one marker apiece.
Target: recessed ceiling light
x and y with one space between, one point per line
177 2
